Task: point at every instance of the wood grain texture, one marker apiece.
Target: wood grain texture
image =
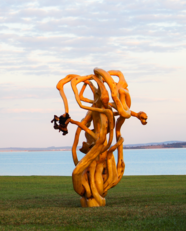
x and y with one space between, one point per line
98 171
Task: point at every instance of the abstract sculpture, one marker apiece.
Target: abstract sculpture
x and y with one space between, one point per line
97 171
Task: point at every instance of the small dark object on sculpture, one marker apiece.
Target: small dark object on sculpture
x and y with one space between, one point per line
63 122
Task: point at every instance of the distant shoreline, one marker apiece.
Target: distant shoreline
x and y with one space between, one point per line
174 145
43 150
163 145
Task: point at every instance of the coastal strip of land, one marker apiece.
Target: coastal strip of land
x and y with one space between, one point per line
167 144
158 146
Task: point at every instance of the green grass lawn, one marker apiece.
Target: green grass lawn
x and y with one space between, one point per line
50 203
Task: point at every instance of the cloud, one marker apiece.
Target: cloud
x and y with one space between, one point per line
85 18
45 38
11 91
49 111
156 99
43 41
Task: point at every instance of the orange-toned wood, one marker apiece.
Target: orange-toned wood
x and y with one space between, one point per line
97 171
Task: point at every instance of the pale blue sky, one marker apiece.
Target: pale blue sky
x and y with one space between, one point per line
43 41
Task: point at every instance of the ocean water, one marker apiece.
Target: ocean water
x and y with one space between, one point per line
60 163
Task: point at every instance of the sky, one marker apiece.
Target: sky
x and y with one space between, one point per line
43 41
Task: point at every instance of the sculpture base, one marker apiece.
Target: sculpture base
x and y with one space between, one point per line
91 202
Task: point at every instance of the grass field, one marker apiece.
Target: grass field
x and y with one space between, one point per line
136 203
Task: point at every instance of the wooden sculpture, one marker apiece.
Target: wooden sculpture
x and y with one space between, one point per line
97 171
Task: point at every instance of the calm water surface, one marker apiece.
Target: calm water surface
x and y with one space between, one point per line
138 162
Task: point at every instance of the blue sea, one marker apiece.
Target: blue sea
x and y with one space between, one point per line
60 163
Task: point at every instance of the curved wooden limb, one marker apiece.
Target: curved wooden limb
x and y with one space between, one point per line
93 89
91 202
100 200
128 98
81 184
85 183
60 85
82 98
74 146
86 120
122 82
107 112
119 123
120 164
111 174
74 82
90 156
84 179
125 98
123 95
116 113
142 116
99 178
83 202
82 126
113 105
109 115
134 114
104 96
114 92
105 102
83 165
111 166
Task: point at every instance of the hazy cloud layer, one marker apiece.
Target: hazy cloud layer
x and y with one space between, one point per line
44 37
41 41
13 92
